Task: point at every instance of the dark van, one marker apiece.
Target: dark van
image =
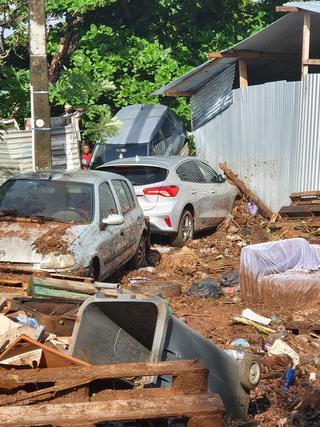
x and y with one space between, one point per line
146 130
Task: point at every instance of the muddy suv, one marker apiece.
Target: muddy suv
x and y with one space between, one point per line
81 222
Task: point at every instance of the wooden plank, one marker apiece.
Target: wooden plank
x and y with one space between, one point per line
116 410
68 389
300 211
243 73
287 9
30 397
66 289
178 93
86 279
78 373
245 190
206 421
304 194
305 44
44 292
311 62
305 202
67 285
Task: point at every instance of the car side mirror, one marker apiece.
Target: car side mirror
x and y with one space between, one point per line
220 178
113 219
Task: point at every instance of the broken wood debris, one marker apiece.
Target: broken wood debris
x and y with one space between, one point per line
299 211
186 397
303 204
50 356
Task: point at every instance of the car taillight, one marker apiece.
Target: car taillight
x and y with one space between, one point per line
166 191
167 220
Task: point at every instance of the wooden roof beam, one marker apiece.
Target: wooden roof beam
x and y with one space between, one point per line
250 55
287 9
177 93
311 62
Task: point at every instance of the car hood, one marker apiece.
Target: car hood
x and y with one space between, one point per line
26 242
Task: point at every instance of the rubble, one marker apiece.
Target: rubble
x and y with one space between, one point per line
213 256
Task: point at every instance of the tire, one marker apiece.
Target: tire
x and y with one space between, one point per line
250 371
185 231
95 269
140 257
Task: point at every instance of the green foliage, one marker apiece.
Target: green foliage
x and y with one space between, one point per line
14 93
124 50
102 127
58 7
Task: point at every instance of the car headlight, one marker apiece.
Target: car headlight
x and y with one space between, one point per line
54 260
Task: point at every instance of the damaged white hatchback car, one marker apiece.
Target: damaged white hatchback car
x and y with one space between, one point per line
84 222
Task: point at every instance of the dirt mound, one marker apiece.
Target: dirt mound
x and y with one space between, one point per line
53 241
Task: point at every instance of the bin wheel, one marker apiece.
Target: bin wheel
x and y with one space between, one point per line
250 371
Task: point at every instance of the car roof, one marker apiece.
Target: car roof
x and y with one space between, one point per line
140 123
166 162
84 176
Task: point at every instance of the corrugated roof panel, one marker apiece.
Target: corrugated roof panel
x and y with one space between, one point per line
309 6
212 98
196 78
278 37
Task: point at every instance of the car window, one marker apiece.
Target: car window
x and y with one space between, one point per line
124 194
158 145
139 175
189 171
209 174
55 199
104 153
167 128
106 200
129 194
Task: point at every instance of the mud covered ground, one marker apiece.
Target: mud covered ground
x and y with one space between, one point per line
210 256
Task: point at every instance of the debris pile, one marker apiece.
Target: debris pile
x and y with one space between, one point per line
42 382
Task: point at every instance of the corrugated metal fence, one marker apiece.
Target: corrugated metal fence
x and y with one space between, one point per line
16 149
214 97
270 135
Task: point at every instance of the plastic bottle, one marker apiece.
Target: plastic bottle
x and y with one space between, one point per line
28 321
289 377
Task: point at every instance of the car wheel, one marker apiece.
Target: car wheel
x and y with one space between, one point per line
186 230
139 259
250 371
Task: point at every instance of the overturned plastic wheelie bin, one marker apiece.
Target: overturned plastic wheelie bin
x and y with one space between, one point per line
128 329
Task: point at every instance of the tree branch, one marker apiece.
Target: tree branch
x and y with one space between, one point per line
66 48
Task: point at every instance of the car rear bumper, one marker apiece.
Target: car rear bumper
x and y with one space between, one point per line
160 220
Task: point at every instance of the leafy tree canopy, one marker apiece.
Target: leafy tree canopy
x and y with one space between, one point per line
105 54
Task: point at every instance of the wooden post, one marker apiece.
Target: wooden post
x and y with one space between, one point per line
40 109
243 72
305 44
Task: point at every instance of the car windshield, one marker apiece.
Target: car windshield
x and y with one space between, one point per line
139 175
47 199
104 153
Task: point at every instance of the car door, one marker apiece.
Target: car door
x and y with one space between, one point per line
133 218
221 193
110 237
190 174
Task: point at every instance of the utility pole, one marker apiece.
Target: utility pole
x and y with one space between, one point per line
40 108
